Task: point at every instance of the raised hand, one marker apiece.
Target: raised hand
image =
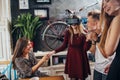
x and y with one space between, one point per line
88 36
91 36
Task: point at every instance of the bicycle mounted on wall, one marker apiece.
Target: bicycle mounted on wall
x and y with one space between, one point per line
53 35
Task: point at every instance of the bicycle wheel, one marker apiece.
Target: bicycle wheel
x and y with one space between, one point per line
53 35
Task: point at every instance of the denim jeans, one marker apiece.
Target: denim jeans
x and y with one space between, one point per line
91 57
99 76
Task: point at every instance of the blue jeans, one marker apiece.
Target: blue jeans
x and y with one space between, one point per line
99 76
91 57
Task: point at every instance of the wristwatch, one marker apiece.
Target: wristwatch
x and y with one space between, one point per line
93 42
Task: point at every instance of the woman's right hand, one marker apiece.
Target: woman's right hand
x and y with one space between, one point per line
40 62
45 57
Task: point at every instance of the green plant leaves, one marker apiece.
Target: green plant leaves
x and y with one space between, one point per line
26 25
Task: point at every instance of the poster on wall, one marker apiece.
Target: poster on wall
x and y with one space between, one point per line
43 13
23 4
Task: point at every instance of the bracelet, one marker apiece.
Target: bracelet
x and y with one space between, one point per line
93 42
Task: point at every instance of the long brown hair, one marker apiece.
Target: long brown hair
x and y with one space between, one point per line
105 21
72 32
79 28
19 48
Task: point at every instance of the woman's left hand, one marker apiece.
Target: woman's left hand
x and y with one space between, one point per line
88 36
91 36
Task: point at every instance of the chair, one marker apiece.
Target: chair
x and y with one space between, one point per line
9 70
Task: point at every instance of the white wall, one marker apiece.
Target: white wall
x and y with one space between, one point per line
5 18
0 8
5 9
58 7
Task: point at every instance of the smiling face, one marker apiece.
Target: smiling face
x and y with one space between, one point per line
111 7
74 26
28 47
91 23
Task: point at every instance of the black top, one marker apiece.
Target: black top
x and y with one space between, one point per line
114 72
118 49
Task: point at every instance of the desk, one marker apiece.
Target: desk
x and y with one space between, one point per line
48 78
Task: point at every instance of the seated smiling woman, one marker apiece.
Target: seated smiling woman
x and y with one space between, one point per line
24 60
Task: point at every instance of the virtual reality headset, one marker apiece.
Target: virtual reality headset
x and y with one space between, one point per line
73 21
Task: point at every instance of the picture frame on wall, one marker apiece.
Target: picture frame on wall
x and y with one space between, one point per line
43 1
23 4
43 13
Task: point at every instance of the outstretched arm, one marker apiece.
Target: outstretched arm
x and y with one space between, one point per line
40 62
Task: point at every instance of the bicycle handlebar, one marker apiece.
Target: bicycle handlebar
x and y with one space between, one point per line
69 11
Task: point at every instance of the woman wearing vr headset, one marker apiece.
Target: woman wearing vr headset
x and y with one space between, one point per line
77 65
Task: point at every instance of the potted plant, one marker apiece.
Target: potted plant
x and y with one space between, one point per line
26 25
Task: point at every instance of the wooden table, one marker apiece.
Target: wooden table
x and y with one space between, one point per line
48 78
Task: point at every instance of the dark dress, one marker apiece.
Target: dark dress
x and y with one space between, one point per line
114 72
77 65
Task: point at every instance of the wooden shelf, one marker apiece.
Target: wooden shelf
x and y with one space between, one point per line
53 69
